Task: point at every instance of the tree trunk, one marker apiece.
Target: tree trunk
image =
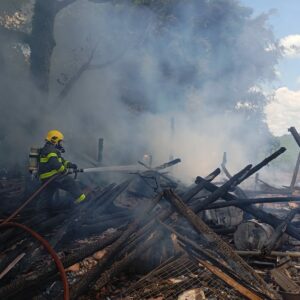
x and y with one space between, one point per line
42 42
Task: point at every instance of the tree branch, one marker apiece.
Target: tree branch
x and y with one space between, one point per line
81 70
60 4
88 66
102 1
65 91
107 63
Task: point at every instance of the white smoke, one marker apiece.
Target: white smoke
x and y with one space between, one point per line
142 74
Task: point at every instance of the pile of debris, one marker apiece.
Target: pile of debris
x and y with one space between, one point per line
151 237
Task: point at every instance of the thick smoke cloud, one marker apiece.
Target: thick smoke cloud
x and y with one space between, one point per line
191 61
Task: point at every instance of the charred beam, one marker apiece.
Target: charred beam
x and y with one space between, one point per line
246 271
295 134
93 274
244 202
265 162
222 190
279 231
39 277
256 212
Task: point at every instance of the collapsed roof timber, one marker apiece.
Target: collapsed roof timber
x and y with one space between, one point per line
151 237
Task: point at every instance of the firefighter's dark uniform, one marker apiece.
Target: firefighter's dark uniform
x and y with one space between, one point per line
51 163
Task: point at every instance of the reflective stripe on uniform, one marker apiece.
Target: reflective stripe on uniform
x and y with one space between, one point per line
48 174
46 159
80 198
66 162
51 173
61 169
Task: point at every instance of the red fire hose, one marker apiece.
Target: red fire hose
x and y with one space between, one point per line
47 246
50 250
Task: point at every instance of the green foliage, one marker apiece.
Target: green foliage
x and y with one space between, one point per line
213 43
16 14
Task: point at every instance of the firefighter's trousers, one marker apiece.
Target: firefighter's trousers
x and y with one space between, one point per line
65 183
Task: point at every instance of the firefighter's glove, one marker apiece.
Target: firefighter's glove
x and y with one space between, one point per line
72 166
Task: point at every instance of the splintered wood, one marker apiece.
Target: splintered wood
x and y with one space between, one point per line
151 237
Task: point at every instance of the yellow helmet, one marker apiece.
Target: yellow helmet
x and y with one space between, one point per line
54 136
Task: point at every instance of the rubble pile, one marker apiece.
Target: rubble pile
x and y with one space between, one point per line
151 237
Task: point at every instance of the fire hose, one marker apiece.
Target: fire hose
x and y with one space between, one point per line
126 169
47 246
35 194
49 249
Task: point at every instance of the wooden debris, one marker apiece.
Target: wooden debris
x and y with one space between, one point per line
73 268
252 235
284 281
244 270
11 265
103 244
100 254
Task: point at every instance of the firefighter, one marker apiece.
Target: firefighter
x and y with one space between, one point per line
51 163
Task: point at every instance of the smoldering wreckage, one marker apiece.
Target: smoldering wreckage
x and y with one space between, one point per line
152 237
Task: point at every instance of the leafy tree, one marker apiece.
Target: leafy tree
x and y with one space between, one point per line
158 50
